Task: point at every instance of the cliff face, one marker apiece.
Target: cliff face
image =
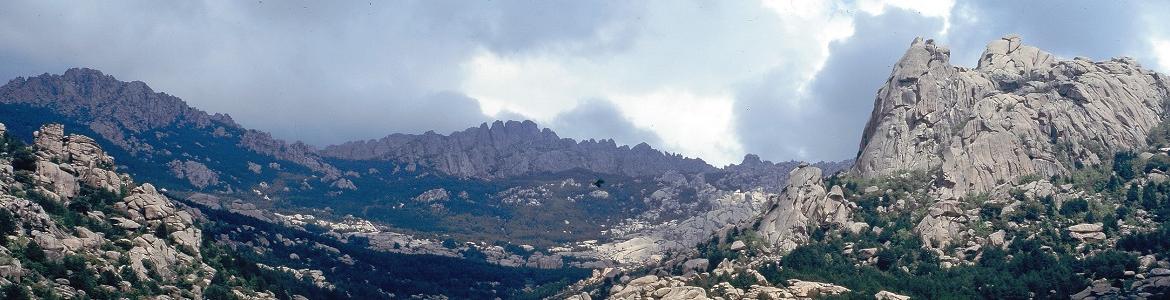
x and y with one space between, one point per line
514 148
1021 111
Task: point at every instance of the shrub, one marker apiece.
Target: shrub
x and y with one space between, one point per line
1109 264
804 257
162 231
990 210
34 253
16 292
7 225
1147 242
1074 206
1123 165
1029 210
1133 195
24 160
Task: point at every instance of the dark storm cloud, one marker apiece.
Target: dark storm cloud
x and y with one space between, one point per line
827 123
323 72
599 118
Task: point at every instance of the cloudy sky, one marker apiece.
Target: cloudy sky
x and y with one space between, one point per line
786 79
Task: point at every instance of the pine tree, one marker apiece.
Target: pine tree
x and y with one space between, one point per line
1134 195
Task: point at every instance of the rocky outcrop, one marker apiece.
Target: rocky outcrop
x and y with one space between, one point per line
64 163
514 148
886 295
1146 285
944 222
643 240
1020 112
1087 232
433 195
804 202
655 287
88 94
145 205
297 152
108 238
195 173
255 168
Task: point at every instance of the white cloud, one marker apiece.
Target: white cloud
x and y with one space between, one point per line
677 77
1161 53
537 87
694 125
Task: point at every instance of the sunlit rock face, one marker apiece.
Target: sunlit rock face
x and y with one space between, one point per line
1021 111
805 202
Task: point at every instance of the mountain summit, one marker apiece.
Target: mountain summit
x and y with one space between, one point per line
1022 111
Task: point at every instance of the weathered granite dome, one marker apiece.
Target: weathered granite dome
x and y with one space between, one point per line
1021 111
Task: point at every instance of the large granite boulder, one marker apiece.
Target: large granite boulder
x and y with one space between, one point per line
804 202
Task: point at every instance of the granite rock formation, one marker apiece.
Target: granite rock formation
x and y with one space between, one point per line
68 169
805 202
1021 111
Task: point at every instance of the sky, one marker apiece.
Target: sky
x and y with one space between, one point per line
784 79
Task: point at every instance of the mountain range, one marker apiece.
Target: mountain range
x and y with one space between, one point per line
1026 176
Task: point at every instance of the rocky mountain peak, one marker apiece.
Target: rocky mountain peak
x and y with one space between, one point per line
519 128
1010 56
514 148
1021 111
129 114
91 95
751 160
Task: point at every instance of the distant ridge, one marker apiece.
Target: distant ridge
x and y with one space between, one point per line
128 114
121 111
514 148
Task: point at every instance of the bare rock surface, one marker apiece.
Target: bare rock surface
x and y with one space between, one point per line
805 202
196 173
1021 111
